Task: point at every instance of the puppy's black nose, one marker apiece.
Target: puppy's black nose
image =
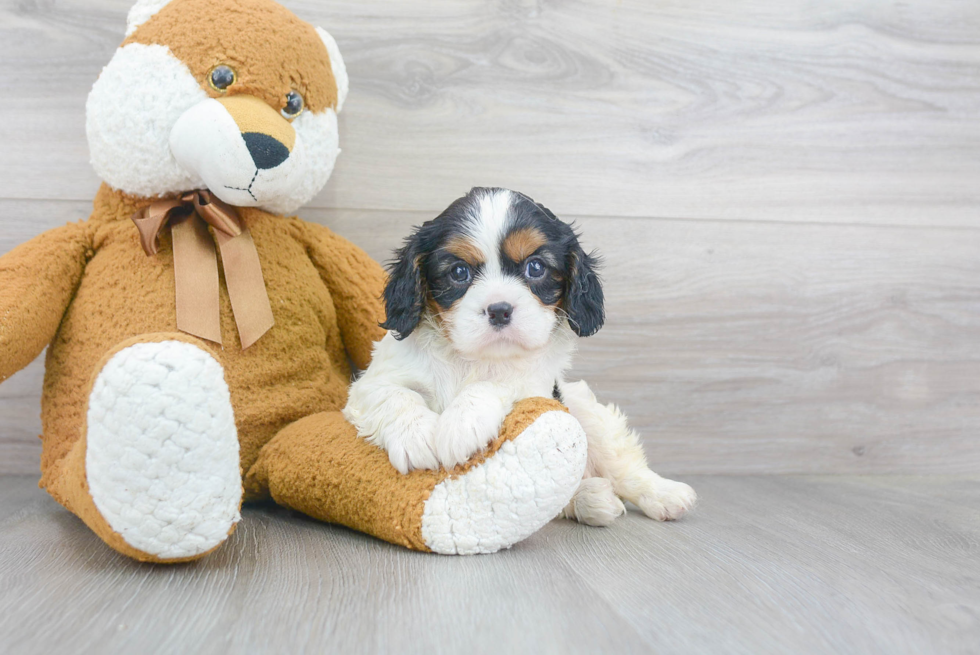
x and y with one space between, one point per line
499 313
266 151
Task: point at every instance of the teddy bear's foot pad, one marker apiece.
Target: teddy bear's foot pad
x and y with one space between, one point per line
511 495
162 459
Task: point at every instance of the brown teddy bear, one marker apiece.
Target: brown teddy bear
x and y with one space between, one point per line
198 340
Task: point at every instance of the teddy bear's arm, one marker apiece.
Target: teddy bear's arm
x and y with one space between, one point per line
37 282
356 282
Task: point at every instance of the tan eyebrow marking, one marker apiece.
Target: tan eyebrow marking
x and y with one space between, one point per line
521 244
465 250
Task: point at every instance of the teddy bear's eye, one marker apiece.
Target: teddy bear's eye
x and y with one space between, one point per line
294 105
221 77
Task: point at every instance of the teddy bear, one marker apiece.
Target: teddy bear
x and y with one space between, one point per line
200 339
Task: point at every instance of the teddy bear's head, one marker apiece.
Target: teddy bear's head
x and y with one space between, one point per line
238 96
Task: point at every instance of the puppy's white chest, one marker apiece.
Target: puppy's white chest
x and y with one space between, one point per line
513 380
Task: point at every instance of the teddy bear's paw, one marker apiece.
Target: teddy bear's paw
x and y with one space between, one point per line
510 495
162 458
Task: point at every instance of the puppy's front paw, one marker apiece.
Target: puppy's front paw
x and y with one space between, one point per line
409 446
463 431
666 500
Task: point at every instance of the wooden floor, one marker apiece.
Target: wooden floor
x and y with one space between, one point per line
828 564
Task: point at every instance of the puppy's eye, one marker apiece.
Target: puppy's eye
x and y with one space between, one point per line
294 105
459 273
221 77
534 268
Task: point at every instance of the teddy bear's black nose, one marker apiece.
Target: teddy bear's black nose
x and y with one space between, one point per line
266 151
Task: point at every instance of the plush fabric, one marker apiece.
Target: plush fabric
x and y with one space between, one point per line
70 484
263 41
153 437
320 467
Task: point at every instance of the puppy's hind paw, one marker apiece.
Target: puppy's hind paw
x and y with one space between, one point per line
667 500
594 503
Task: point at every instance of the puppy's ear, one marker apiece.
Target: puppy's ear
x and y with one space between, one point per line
583 295
404 293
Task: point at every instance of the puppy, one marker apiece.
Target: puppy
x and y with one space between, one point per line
484 304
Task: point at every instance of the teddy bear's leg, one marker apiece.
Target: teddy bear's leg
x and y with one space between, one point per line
156 470
319 466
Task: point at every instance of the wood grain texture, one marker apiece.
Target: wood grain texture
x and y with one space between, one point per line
766 565
785 196
738 347
850 112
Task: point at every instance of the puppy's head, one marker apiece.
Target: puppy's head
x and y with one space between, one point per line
498 273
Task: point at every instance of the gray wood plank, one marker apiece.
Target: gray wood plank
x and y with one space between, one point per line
20 421
774 110
788 565
285 583
739 347
766 565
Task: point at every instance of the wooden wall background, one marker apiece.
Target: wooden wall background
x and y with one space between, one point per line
786 193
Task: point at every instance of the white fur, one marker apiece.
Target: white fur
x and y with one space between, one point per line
487 226
337 66
594 503
511 495
141 12
441 394
530 328
132 107
153 131
615 453
314 155
420 398
162 457
206 142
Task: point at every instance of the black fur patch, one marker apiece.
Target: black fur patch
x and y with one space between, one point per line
415 271
443 289
584 301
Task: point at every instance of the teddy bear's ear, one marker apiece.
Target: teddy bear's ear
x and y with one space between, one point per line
141 12
337 64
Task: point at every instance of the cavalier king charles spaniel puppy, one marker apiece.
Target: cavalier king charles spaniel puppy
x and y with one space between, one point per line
484 305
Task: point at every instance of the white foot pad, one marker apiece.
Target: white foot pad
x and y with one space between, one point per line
511 495
162 454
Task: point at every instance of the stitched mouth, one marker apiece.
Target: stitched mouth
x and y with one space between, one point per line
247 189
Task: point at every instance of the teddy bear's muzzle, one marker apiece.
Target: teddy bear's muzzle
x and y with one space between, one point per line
268 137
240 146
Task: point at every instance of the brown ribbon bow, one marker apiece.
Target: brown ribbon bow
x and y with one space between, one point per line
196 264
